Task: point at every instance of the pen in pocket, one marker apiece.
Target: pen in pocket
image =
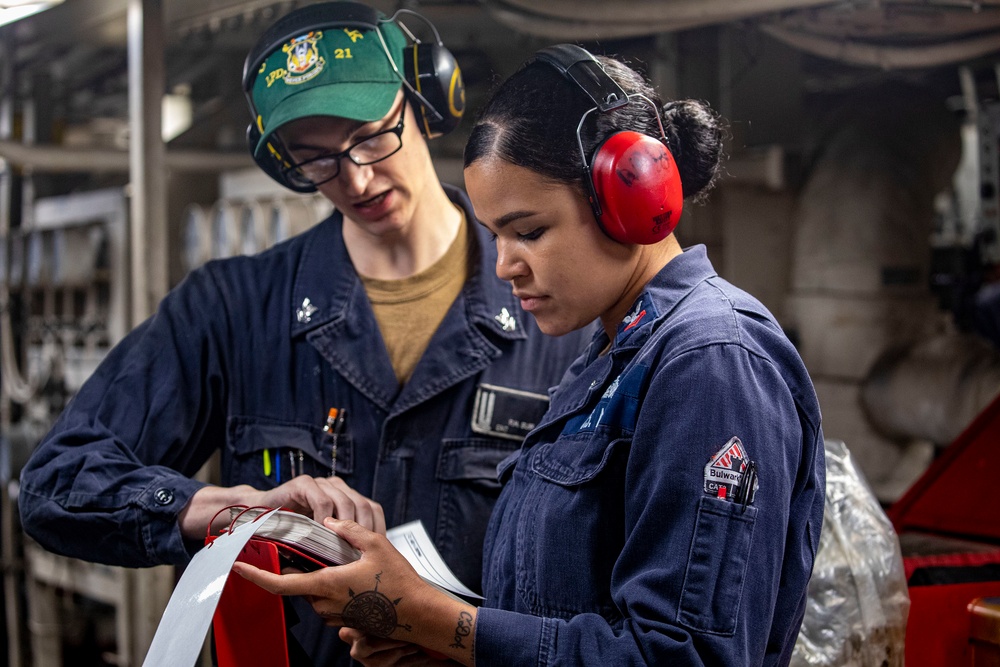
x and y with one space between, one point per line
334 427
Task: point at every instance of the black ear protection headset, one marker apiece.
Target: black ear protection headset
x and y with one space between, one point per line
430 76
633 185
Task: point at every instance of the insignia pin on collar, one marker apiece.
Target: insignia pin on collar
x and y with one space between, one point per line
506 320
305 312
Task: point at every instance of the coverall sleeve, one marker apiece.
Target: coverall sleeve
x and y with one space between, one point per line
108 481
698 579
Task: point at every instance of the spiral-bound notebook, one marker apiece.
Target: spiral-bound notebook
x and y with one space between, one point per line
249 623
323 547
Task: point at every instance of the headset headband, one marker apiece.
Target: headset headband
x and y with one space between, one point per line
579 66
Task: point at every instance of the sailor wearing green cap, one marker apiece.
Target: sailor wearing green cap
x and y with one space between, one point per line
389 311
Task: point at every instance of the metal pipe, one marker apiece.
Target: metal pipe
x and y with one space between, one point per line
57 159
13 564
148 204
16 386
644 12
884 56
146 591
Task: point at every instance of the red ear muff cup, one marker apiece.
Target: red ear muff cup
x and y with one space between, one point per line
638 188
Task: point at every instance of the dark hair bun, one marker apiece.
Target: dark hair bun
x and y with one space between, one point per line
694 136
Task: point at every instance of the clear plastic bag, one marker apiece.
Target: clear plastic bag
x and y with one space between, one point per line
858 601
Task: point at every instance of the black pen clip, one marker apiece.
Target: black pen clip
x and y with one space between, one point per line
748 486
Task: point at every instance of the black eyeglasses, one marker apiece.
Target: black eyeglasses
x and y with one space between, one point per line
371 149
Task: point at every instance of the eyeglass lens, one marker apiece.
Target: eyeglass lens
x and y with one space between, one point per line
367 151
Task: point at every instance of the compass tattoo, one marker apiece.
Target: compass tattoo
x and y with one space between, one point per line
372 612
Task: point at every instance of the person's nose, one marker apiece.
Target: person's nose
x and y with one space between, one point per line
510 264
354 178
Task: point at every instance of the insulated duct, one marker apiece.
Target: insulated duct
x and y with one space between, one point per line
932 389
589 19
856 52
861 258
889 34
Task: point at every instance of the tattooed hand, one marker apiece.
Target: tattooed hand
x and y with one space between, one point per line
381 596
369 594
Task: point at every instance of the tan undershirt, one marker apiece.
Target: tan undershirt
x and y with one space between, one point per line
409 311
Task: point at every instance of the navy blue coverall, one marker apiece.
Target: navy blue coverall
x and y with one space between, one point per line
246 356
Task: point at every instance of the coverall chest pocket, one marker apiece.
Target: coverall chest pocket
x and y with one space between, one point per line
266 453
571 525
467 475
717 566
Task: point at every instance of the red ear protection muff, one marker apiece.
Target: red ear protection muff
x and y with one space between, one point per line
634 188
430 76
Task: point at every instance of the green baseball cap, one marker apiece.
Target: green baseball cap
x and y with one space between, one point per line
340 71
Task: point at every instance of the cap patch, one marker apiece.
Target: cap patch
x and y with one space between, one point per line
304 61
337 72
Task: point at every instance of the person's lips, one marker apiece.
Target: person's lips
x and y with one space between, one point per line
529 302
374 207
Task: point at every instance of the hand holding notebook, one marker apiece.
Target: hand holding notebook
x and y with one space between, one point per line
308 545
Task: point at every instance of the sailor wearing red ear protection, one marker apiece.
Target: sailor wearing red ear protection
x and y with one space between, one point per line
667 508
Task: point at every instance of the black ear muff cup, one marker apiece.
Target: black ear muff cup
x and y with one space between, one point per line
433 72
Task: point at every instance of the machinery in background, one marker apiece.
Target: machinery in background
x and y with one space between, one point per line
64 283
952 374
966 242
944 389
245 223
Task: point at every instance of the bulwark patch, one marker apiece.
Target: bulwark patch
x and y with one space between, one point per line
727 476
507 413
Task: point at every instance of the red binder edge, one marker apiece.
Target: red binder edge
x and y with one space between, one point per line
249 623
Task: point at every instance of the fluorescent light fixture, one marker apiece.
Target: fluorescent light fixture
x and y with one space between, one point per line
15 10
177 113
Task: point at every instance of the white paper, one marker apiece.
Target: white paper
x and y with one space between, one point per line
412 540
185 622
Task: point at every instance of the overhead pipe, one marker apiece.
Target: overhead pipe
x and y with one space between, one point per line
887 57
587 19
573 19
654 11
58 159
